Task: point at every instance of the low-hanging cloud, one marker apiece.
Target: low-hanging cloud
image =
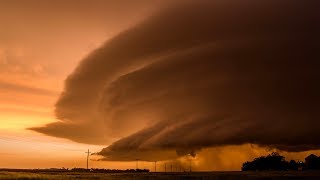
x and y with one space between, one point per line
196 75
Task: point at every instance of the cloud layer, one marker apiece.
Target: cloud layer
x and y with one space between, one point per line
197 75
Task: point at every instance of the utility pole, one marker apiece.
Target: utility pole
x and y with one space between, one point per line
190 168
155 166
177 167
88 154
165 167
137 161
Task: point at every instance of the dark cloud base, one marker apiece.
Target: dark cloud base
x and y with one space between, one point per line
199 75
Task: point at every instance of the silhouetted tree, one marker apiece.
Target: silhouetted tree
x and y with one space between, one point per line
273 161
293 165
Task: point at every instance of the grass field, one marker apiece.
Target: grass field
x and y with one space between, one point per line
175 176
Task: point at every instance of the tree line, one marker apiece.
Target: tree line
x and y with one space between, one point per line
275 161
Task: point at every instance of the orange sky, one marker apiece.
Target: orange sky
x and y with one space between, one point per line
41 42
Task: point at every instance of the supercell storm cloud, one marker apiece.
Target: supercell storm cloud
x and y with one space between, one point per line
196 75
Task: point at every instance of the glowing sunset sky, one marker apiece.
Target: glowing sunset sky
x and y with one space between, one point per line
41 42
157 81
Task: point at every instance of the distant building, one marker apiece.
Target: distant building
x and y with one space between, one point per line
301 165
312 162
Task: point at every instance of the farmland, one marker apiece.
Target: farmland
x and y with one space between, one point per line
176 176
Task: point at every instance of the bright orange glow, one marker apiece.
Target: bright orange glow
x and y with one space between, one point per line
39 48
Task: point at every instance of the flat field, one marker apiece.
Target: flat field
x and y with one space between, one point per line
175 176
